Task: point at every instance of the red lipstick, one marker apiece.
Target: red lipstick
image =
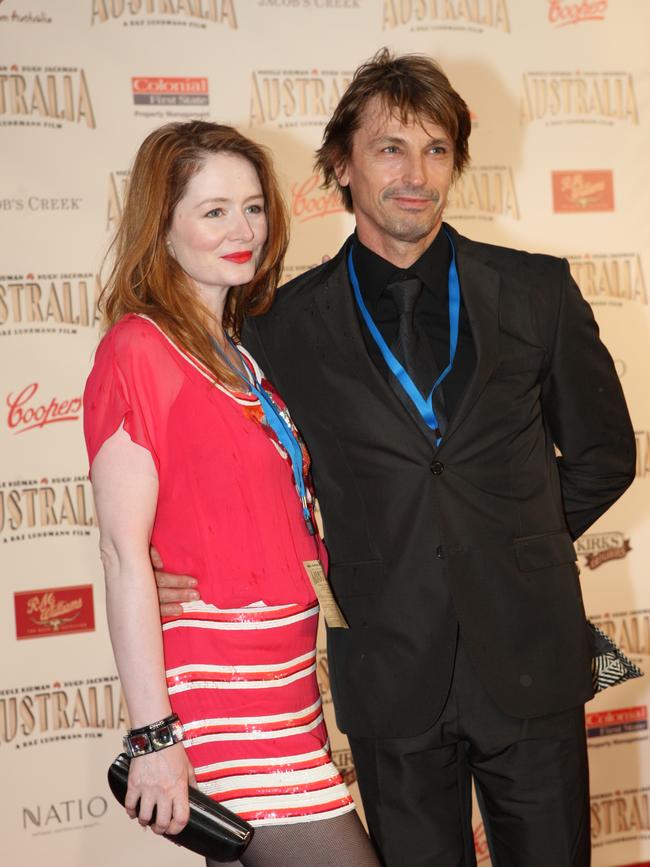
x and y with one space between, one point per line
239 258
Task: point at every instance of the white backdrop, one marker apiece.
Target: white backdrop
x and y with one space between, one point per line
560 96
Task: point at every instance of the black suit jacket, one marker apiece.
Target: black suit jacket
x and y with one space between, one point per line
477 532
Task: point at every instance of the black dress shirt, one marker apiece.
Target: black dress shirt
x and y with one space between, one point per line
432 311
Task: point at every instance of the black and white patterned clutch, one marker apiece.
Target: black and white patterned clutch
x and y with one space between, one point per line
609 665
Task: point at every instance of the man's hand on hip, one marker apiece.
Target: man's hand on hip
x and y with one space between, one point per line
172 589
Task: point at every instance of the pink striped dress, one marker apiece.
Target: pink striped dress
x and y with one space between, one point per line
241 662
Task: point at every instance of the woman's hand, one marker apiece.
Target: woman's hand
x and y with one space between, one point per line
160 780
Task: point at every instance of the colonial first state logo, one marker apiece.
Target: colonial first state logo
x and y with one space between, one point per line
48 303
621 721
171 13
54 611
295 98
423 15
610 278
578 97
599 548
484 192
170 96
45 96
576 191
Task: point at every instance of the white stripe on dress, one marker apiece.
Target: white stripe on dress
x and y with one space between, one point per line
241 684
186 623
274 760
240 736
253 720
239 669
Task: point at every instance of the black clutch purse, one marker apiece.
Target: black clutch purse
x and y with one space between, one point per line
212 830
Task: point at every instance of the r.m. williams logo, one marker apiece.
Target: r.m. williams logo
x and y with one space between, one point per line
578 97
26 412
310 202
46 96
46 508
599 548
620 815
621 721
582 191
54 611
188 13
610 278
345 765
48 303
483 193
642 453
472 15
295 98
630 630
564 12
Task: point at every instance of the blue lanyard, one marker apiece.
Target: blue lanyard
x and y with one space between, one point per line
423 405
276 420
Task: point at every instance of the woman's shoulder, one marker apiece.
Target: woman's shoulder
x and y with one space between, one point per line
134 337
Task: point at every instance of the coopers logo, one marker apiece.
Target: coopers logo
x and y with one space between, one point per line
27 413
473 15
620 815
564 12
582 191
610 278
484 192
170 91
54 611
48 303
624 720
190 13
578 97
45 96
295 98
310 202
599 548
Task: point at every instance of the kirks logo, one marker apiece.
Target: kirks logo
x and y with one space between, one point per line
75 814
484 192
481 844
581 191
170 90
309 201
26 413
191 13
47 508
117 185
599 548
295 98
447 14
54 611
564 12
642 453
604 278
48 303
345 765
618 815
578 97
44 96
622 721
630 630
73 710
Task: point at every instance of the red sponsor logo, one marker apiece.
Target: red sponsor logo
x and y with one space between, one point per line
620 716
54 610
26 415
563 12
580 191
166 84
308 201
481 844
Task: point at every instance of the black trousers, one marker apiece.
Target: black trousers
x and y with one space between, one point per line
531 778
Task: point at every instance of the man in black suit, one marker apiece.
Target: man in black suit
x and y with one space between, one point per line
449 514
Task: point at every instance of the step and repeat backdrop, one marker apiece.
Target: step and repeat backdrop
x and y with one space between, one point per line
560 96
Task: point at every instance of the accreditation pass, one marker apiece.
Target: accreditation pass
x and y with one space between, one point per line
328 604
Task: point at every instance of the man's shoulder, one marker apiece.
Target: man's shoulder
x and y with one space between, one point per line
510 261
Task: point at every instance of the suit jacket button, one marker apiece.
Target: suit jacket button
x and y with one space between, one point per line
525 680
437 467
440 554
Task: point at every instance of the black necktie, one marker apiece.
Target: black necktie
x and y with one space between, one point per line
412 348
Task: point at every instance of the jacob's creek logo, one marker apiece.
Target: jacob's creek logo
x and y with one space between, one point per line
610 278
599 548
618 816
484 192
37 715
28 411
345 765
630 630
44 508
642 453
295 98
564 12
425 15
48 303
54 611
310 202
578 97
187 13
75 814
46 96
622 721
581 191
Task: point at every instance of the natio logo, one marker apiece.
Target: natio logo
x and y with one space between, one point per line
581 191
564 12
623 720
309 201
26 413
55 610
170 91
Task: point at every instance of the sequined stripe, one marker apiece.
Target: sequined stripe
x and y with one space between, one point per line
276 818
241 767
196 728
205 611
293 782
301 804
274 683
192 623
238 673
263 734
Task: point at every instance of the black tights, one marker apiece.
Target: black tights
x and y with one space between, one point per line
339 842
